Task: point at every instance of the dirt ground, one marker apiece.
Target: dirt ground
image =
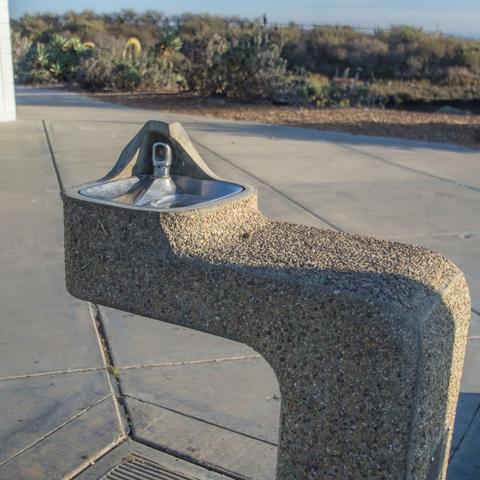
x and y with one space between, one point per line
457 129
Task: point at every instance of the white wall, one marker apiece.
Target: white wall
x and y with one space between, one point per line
7 92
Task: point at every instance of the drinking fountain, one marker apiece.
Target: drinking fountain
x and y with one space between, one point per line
366 337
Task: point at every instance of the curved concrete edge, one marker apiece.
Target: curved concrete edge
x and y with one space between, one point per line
444 332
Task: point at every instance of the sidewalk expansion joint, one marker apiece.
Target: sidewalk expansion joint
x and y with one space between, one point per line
439 236
279 192
52 372
192 362
201 420
95 458
113 372
123 409
410 169
52 156
470 423
56 429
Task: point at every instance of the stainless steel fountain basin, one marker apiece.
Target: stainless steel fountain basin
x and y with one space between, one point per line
149 192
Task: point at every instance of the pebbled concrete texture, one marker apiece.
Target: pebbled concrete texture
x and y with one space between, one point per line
65 114
295 294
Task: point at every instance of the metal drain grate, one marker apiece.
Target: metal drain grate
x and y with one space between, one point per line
137 467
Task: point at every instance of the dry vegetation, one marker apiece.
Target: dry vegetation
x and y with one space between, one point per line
326 77
243 60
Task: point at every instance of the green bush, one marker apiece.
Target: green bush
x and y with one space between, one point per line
58 60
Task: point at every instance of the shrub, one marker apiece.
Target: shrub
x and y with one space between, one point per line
95 72
202 68
403 52
246 67
352 93
126 75
37 28
461 76
33 66
254 68
191 27
58 60
20 46
332 50
469 56
304 89
109 69
237 58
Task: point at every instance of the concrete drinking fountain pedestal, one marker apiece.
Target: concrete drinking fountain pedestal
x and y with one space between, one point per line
366 337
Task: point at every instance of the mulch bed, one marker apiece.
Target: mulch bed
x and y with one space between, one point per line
456 129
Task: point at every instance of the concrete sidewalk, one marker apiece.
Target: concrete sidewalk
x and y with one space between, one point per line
203 398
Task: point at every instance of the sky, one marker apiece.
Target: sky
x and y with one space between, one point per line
458 17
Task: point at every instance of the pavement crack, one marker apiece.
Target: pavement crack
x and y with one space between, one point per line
54 430
52 372
192 362
202 420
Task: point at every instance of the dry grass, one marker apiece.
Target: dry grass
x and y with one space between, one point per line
455 129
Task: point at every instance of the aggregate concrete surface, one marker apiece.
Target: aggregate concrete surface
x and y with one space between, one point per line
62 414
